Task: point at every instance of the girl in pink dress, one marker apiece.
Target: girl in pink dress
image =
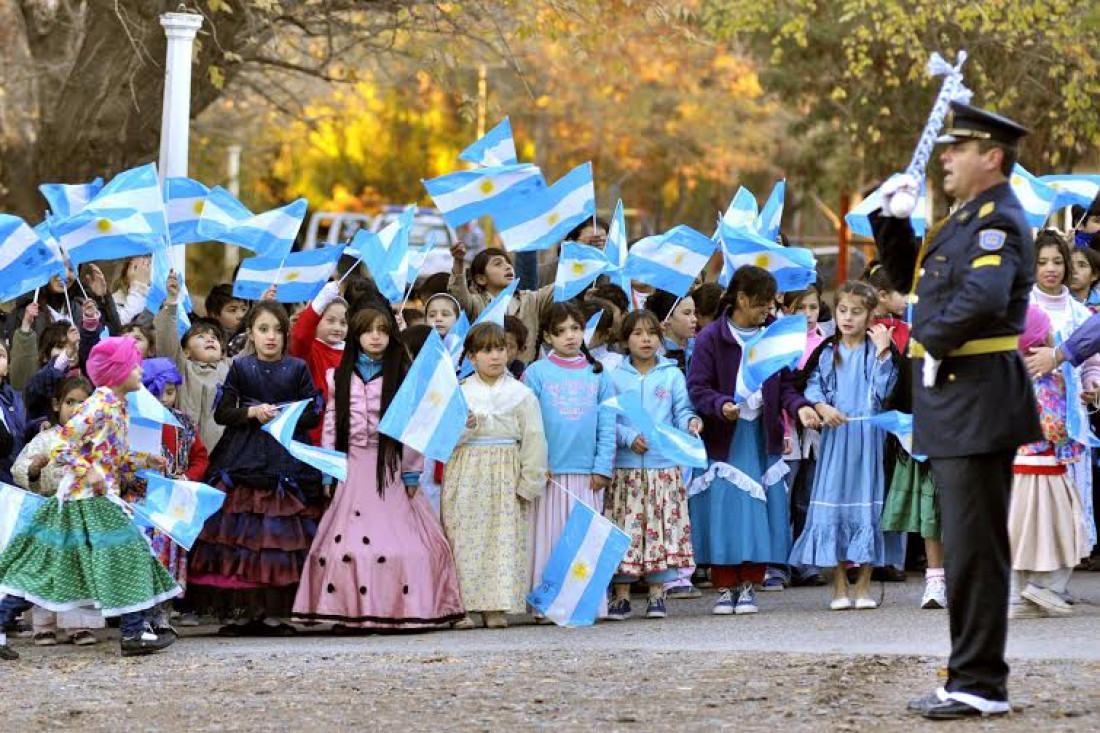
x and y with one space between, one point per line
380 559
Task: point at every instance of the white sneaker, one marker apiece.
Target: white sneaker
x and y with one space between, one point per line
1026 609
1051 602
935 593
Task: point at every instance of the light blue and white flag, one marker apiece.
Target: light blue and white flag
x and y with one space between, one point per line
496 148
270 234
591 326
298 276
682 448
543 218
184 200
1078 426
162 266
137 189
16 509
771 216
177 507
741 213
66 199
456 337
95 235
467 195
794 268
581 565
329 462
670 261
1037 198
26 262
1075 189
859 218
386 254
417 257
617 250
428 413
147 419
498 307
777 347
901 425
578 267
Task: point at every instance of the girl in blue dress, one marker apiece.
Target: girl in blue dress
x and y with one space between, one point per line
850 376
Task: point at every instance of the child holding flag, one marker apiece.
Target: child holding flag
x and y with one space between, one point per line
497 470
317 336
104 558
850 376
580 435
739 511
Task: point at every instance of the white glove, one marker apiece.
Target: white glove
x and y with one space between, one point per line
899 196
929 370
329 293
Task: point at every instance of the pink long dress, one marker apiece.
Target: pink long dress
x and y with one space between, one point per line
376 561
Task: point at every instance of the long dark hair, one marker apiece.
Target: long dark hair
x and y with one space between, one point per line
756 283
559 313
395 363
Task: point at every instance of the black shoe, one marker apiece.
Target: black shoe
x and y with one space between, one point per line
888 574
166 630
146 643
7 653
953 710
813 580
920 704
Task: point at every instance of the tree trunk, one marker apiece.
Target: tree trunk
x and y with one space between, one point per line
19 114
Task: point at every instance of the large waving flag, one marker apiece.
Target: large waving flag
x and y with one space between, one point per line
794 268
617 250
581 565
329 462
429 411
859 218
137 189
672 443
270 234
184 200
147 418
16 509
1076 189
1037 198
777 347
578 267
541 219
26 262
177 507
298 276
66 199
496 148
771 216
466 195
741 213
497 308
670 261
94 235
901 425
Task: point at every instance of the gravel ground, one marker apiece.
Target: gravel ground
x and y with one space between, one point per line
748 673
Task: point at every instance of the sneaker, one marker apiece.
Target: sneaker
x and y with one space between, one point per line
1026 609
146 643
746 601
7 653
495 620
46 638
619 609
83 637
464 624
772 584
935 593
866 604
1066 596
701 579
188 620
1048 599
656 608
844 603
724 605
683 593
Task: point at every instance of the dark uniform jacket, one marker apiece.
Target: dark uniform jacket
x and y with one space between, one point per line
971 284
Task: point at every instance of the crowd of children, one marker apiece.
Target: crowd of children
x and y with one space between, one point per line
798 481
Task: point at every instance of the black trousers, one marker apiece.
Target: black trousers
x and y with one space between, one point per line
974 496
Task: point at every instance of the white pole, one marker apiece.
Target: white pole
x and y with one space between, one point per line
232 256
175 122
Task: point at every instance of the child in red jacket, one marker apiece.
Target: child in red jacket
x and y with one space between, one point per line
318 338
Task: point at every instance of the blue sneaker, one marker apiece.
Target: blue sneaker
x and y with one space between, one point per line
619 610
683 592
724 605
772 584
746 601
656 608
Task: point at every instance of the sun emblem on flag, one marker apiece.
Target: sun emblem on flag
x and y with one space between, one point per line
179 513
578 268
487 186
679 259
1017 179
554 218
434 398
291 275
762 260
197 207
580 570
103 225
752 354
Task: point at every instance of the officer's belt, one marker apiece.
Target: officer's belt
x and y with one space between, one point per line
977 347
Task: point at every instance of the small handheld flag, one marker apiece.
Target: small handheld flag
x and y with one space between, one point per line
456 337
66 199
578 267
467 195
1077 189
270 234
542 218
670 261
329 462
901 425
617 249
1036 197
771 216
177 507
496 148
741 213
497 308
137 189
147 417
298 276
859 218
683 448
26 262
794 268
591 326
16 509
777 347
184 200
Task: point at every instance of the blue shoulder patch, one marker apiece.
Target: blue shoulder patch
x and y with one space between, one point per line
991 240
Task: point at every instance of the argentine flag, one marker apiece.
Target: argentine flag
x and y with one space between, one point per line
578 267
16 509
901 425
177 507
386 254
66 199
1037 198
329 462
298 276
456 337
428 413
670 261
496 148
467 195
859 218
541 219
591 326
26 262
137 189
581 565
681 447
794 268
771 216
777 347
270 234
184 199
617 249
417 257
147 418
741 213
497 308
95 235
1077 189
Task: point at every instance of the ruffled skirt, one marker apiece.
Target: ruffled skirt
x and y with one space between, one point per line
1046 526
650 505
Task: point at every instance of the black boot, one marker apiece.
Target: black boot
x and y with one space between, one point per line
146 643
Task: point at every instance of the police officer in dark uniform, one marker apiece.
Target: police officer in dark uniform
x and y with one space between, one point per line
973 405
